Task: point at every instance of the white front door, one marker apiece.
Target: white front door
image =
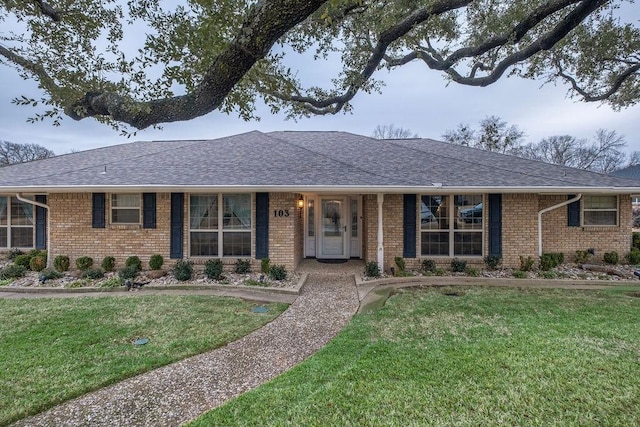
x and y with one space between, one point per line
333 242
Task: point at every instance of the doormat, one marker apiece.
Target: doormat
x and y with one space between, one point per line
332 261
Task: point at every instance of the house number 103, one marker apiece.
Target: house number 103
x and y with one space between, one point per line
279 213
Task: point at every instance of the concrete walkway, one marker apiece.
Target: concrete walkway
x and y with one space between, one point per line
180 392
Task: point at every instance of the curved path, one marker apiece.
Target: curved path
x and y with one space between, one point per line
178 393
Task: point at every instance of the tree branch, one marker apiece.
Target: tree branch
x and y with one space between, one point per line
615 86
48 10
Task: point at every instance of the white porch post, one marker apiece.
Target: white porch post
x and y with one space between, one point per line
380 236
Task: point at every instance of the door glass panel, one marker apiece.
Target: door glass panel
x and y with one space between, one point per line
311 219
354 218
333 227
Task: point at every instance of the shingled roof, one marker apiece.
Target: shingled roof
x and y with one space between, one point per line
300 161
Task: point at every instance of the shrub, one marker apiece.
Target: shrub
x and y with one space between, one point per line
23 261
242 266
458 265
155 262
93 273
582 256
12 271
84 263
129 272
400 263
548 274
611 257
113 282
526 264
439 271
61 263
551 260
133 261
183 270
472 272
635 243
519 274
13 253
633 257
493 261
50 274
277 272
428 266
253 282
108 263
38 263
264 265
371 269
213 268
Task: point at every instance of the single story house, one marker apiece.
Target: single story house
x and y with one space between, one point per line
293 195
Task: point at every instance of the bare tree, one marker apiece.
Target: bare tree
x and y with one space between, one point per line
392 132
494 134
11 152
197 57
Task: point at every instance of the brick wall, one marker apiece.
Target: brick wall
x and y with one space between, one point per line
285 230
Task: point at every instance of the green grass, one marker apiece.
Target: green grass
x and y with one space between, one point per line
490 356
57 349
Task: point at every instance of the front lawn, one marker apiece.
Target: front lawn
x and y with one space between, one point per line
55 349
465 356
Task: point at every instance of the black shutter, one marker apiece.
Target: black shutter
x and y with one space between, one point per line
262 225
148 210
495 225
573 213
177 223
41 223
98 209
409 226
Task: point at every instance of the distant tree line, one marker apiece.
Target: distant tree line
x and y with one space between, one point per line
11 153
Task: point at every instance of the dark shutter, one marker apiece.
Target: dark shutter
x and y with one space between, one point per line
177 225
98 209
148 210
262 225
409 226
41 223
573 213
495 225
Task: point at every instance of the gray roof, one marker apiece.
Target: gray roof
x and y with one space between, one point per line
630 172
300 161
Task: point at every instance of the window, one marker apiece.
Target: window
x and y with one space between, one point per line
451 225
16 223
125 209
600 210
220 225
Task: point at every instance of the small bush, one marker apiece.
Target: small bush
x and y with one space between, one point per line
635 243
371 269
428 266
519 274
242 266
611 258
129 272
213 269
133 261
472 272
582 256
93 273
633 257
400 263
84 263
13 253
23 261
277 272
61 263
183 270
253 282
12 271
264 265
548 274
439 271
493 261
38 263
526 264
458 265
50 274
155 262
551 260
108 263
113 282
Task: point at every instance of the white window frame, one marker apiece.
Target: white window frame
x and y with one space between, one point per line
113 208
616 210
220 230
452 230
9 225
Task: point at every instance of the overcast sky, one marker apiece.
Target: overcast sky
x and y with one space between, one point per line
414 98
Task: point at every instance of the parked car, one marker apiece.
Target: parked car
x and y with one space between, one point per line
427 218
472 215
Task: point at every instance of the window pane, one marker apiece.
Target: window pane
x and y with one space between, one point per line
236 244
3 211
435 243
311 219
354 218
3 237
125 216
237 211
468 212
125 200
21 212
204 244
600 202
600 217
434 213
21 237
203 211
467 243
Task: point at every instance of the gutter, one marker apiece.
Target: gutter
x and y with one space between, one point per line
550 208
41 205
